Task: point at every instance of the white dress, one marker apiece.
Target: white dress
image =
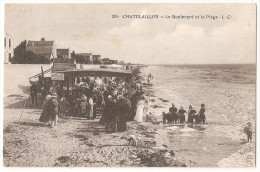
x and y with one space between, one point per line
139 111
91 115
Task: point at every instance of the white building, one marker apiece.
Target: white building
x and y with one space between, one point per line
9 48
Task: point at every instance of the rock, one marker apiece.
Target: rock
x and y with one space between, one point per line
96 133
183 165
172 153
167 155
165 145
156 106
64 159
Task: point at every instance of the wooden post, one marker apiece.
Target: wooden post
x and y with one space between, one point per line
54 83
68 84
129 81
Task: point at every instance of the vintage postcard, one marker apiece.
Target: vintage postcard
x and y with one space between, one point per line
129 84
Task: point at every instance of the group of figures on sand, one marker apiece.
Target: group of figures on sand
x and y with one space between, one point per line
118 110
178 116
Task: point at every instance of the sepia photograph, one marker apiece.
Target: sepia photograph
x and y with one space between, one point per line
129 85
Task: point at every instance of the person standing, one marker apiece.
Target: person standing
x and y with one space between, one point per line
181 115
134 101
146 107
140 110
111 125
34 92
173 111
124 107
91 107
249 132
64 107
191 113
201 115
46 110
83 105
54 110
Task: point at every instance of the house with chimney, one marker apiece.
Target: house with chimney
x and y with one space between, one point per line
43 48
113 61
96 59
85 58
105 61
64 53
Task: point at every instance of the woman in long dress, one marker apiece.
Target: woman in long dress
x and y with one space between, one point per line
146 107
140 110
91 104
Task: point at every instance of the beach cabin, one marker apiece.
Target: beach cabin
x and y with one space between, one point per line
67 77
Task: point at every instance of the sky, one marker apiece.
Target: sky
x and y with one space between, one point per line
90 28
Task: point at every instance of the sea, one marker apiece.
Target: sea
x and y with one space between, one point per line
229 93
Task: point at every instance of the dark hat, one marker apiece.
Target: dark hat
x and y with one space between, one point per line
202 105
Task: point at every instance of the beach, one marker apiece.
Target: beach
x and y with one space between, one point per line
76 142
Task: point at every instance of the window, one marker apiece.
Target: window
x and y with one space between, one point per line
9 43
10 56
5 42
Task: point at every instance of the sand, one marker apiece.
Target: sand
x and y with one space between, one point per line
77 142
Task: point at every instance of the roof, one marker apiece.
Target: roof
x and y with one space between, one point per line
40 43
45 55
63 51
98 72
105 59
96 55
85 54
63 60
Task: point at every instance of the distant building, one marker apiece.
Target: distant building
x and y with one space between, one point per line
121 62
87 57
9 48
113 61
105 61
96 59
64 53
46 49
62 64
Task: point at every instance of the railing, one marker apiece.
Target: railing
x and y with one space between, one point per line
39 74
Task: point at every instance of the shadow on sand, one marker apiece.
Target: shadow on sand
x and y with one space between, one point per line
33 124
25 89
22 104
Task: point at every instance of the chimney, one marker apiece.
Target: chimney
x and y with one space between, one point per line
42 39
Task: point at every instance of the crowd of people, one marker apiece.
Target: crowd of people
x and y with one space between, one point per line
178 116
88 95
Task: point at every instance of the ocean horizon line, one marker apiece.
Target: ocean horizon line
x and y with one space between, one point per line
182 64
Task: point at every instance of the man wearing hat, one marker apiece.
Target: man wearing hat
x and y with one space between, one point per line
181 115
173 111
123 110
191 114
34 92
201 115
248 130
